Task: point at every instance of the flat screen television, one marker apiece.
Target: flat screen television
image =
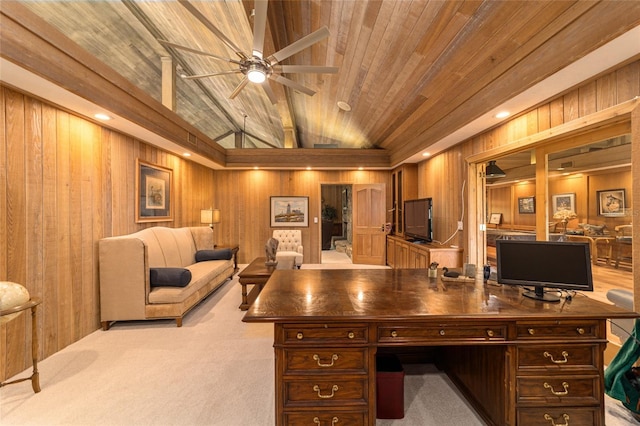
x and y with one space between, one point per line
539 264
417 219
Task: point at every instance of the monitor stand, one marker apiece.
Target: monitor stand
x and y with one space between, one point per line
540 294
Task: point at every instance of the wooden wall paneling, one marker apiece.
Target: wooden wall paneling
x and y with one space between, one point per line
587 96
544 117
606 92
571 106
4 246
556 112
628 81
635 184
75 230
97 207
16 225
33 207
63 200
48 309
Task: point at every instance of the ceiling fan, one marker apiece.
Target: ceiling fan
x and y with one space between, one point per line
255 67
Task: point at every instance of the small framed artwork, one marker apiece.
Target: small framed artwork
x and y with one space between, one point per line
495 218
563 202
154 188
527 205
289 212
611 202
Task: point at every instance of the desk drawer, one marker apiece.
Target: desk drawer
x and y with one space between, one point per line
330 360
448 333
563 330
324 334
325 418
558 390
561 356
325 391
569 416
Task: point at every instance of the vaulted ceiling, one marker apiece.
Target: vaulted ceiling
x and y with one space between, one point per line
412 72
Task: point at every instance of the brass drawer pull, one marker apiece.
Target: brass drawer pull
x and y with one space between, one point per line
553 423
490 333
565 385
299 336
441 332
394 333
334 389
316 358
351 335
333 420
580 330
560 361
531 331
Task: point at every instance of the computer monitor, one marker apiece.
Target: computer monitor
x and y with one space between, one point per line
539 264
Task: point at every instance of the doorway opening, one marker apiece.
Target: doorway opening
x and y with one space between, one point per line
336 229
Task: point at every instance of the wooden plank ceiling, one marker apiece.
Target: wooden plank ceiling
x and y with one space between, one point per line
411 71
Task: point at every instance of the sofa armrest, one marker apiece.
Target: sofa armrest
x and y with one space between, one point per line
300 249
124 278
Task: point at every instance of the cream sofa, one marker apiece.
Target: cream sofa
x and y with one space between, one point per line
126 262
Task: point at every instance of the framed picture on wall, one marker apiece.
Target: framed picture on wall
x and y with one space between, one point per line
289 212
495 218
154 188
563 202
527 205
611 202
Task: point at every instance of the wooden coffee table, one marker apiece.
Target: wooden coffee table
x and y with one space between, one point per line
256 274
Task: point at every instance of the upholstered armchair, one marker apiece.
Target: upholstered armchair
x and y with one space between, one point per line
289 245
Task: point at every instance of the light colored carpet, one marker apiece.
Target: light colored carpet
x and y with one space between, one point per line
215 370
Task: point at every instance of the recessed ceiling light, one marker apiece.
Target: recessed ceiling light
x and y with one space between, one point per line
344 106
308 167
426 154
256 168
186 154
360 168
503 114
102 116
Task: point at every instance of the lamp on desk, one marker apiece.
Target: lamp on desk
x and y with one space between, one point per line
210 216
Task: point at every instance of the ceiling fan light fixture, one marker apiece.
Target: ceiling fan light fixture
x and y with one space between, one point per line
256 74
493 171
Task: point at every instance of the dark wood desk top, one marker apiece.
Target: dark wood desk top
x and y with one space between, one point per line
405 294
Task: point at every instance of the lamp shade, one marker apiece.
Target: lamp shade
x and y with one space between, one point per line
493 171
210 216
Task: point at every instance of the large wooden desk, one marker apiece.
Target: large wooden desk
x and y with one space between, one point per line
517 360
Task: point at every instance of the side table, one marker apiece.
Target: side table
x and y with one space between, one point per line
35 375
256 274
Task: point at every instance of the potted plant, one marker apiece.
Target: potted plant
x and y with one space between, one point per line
329 213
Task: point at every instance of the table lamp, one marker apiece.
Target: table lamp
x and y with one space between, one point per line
210 216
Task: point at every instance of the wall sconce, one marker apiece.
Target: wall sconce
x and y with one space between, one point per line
493 171
210 216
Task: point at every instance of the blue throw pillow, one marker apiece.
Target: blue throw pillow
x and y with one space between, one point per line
169 277
216 254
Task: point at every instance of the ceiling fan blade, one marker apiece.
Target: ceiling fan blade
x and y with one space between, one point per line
238 88
259 27
199 52
305 68
214 74
200 17
299 45
296 86
269 91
